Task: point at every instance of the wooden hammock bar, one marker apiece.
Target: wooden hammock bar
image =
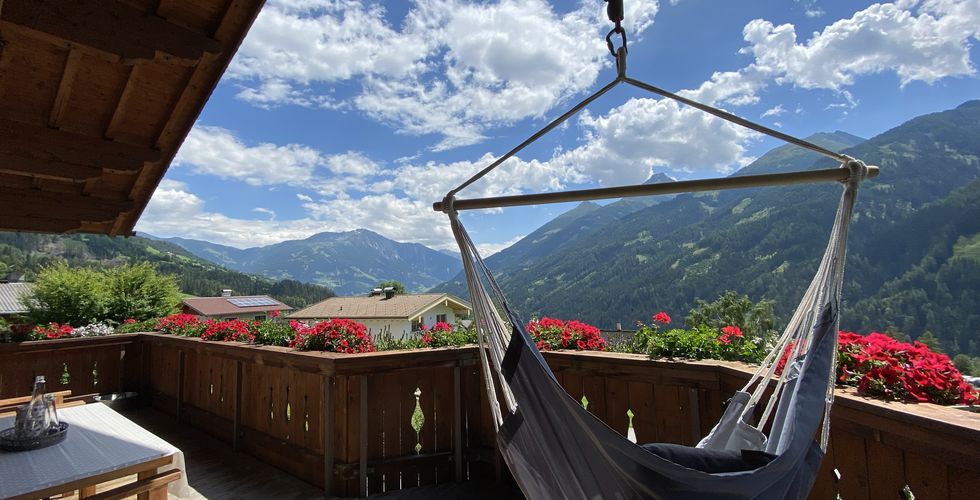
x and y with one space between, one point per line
736 182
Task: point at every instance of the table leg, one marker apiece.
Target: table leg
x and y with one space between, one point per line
149 495
86 491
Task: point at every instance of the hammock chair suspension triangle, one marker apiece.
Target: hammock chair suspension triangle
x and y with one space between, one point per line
557 449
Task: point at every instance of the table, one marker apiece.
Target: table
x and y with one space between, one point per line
101 445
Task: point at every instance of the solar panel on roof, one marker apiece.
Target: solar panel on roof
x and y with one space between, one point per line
253 302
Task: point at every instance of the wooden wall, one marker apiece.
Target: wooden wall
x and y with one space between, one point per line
95 365
392 420
346 421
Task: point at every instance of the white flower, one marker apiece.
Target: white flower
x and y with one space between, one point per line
93 330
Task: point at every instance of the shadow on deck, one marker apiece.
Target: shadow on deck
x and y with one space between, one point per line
215 471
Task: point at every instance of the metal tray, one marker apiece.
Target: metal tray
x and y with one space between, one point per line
8 442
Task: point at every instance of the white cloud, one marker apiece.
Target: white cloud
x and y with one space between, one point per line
219 152
924 46
488 249
625 145
453 69
774 111
303 197
271 213
174 211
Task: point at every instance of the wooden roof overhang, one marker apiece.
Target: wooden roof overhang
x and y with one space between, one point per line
96 96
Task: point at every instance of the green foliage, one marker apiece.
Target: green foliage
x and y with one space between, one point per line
385 341
147 325
967 365
64 295
696 343
929 339
138 292
456 336
29 253
274 331
755 319
397 285
84 295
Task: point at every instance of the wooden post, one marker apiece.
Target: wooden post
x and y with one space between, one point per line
362 478
328 445
694 407
180 381
237 421
457 425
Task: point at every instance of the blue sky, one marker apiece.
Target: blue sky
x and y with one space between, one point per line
337 115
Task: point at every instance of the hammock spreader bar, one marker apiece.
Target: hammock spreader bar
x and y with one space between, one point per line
736 182
804 177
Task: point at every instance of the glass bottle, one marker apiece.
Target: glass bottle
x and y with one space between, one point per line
38 410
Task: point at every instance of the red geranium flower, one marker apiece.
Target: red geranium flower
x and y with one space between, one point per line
661 317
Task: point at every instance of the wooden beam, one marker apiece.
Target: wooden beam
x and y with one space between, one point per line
48 169
38 204
37 224
26 140
109 25
64 88
328 437
231 31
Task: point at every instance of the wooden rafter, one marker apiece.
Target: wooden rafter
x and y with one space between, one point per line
18 139
35 203
48 169
64 88
110 26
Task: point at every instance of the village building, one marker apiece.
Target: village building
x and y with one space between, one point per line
384 311
228 307
10 298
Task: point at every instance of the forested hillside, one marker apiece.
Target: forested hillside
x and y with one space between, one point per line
28 252
914 251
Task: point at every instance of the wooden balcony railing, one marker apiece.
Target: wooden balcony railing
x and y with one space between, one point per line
370 423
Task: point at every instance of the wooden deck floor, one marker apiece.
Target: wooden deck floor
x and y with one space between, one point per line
215 471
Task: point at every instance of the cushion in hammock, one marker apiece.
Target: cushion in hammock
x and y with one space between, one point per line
711 461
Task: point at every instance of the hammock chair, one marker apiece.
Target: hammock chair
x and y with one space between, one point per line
555 448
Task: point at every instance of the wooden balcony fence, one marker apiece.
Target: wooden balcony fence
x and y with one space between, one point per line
364 424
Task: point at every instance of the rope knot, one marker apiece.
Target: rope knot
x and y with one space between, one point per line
858 169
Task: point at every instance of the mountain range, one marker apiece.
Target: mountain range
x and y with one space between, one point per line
350 263
914 247
27 253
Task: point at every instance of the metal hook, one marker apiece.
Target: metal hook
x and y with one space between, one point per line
622 33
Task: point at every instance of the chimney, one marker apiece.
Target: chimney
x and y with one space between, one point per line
389 292
226 292
374 291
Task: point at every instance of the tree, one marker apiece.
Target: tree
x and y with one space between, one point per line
929 339
140 293
63 295
397 285
755 319
964 364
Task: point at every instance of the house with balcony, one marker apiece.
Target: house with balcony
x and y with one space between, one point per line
384 311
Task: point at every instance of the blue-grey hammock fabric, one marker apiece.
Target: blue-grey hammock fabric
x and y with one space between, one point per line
556 449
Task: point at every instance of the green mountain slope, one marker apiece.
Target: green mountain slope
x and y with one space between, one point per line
554 239
27 253
909 256
351 262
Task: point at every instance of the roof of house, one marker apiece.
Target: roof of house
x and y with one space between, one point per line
10 294
95 100
229 306
407 306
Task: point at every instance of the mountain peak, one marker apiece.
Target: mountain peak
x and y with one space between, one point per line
658 178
